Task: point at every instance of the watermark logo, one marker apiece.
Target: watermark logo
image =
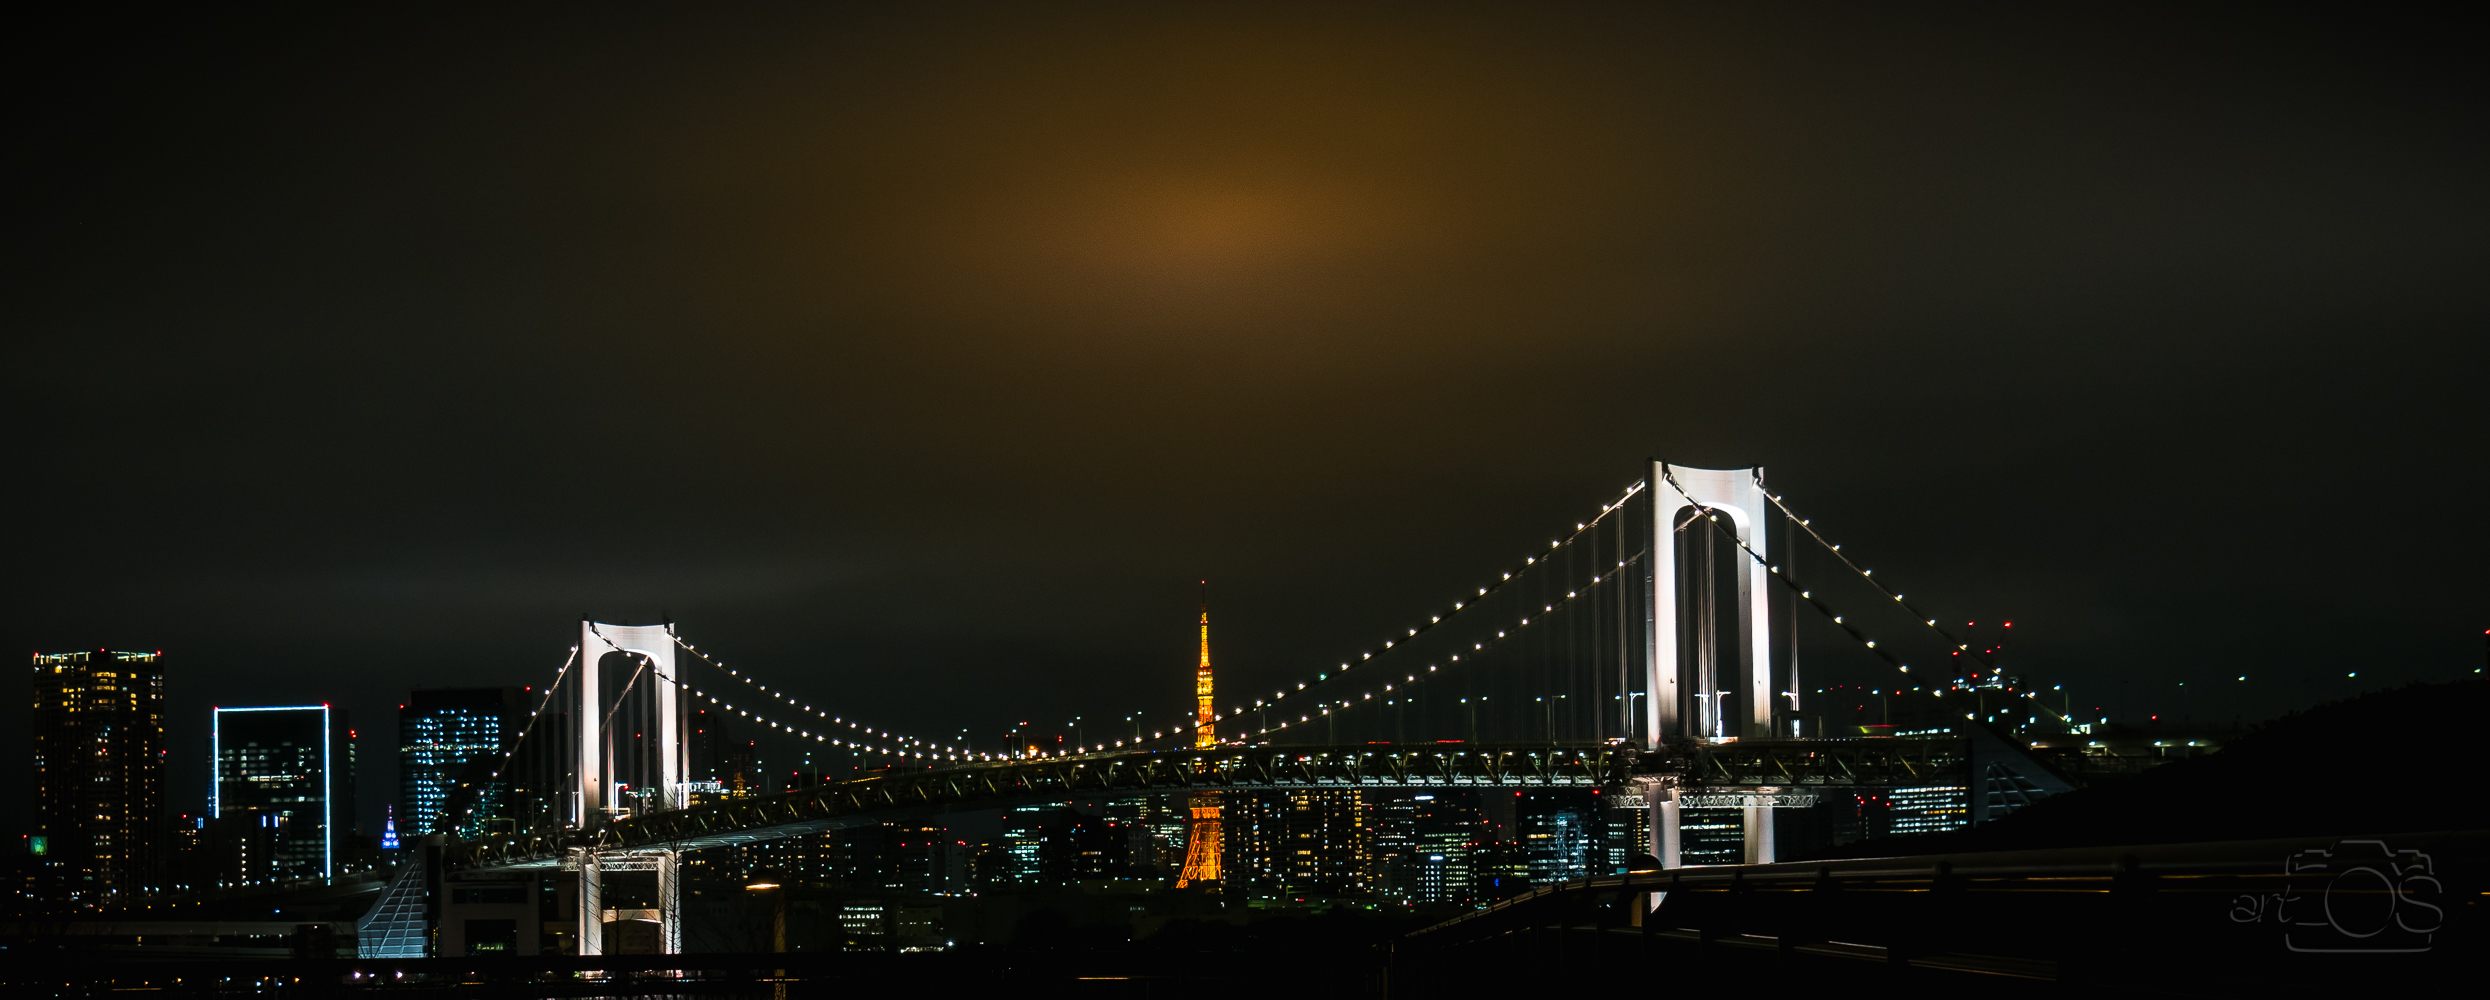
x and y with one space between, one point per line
2355 897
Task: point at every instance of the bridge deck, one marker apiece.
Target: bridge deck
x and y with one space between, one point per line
1233 768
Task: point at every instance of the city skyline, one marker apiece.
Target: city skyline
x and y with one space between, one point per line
719 471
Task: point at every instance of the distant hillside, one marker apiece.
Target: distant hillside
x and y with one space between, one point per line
2393 761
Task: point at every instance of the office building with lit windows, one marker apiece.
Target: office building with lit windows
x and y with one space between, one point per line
99 775
1928 809
1625 835
441 734
1711 835
1022 857
291 769
1425 847
1557 832
1307 843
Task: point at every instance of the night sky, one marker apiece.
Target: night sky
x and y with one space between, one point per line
923 360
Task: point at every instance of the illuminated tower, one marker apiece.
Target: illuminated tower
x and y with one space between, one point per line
1201 856
1203 732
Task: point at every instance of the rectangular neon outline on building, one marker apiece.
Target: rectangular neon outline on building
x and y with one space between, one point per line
328 787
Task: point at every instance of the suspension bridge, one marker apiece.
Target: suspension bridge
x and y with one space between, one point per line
1649 651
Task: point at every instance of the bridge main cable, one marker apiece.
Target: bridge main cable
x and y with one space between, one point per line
1319 678
1466 604
1791 581
956 752
1709 513
512 749
1870 576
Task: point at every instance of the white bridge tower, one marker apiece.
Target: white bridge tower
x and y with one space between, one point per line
1696 692
600 798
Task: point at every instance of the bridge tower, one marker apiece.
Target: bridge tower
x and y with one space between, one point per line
1692 695
1203 840
598 797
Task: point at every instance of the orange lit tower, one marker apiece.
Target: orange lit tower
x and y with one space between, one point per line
1204 735
1201 855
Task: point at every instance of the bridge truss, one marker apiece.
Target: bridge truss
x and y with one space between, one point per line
1757 769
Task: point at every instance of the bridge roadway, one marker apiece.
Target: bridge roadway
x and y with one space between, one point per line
1690 766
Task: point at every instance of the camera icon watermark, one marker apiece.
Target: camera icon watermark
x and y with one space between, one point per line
2355 897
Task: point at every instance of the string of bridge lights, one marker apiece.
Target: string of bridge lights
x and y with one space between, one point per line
913 748
650 664
507 755
1869 576
940 749
1707 512
1416 677
1482 645
922 749
907 747
898 746
1791 581
944 752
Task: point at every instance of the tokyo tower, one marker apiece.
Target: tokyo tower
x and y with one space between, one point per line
1201 855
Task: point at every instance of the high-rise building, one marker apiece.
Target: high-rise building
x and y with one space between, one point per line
1625 835
1026 830
99 774
293 767
1447 831
441 733
1307 843
1093 848
1392 830
1557 836
1155 832
916 856
1497 872
1331 843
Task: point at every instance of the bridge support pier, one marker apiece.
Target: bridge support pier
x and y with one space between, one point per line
1759 835
591 897
669 904
1664 832
594 865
